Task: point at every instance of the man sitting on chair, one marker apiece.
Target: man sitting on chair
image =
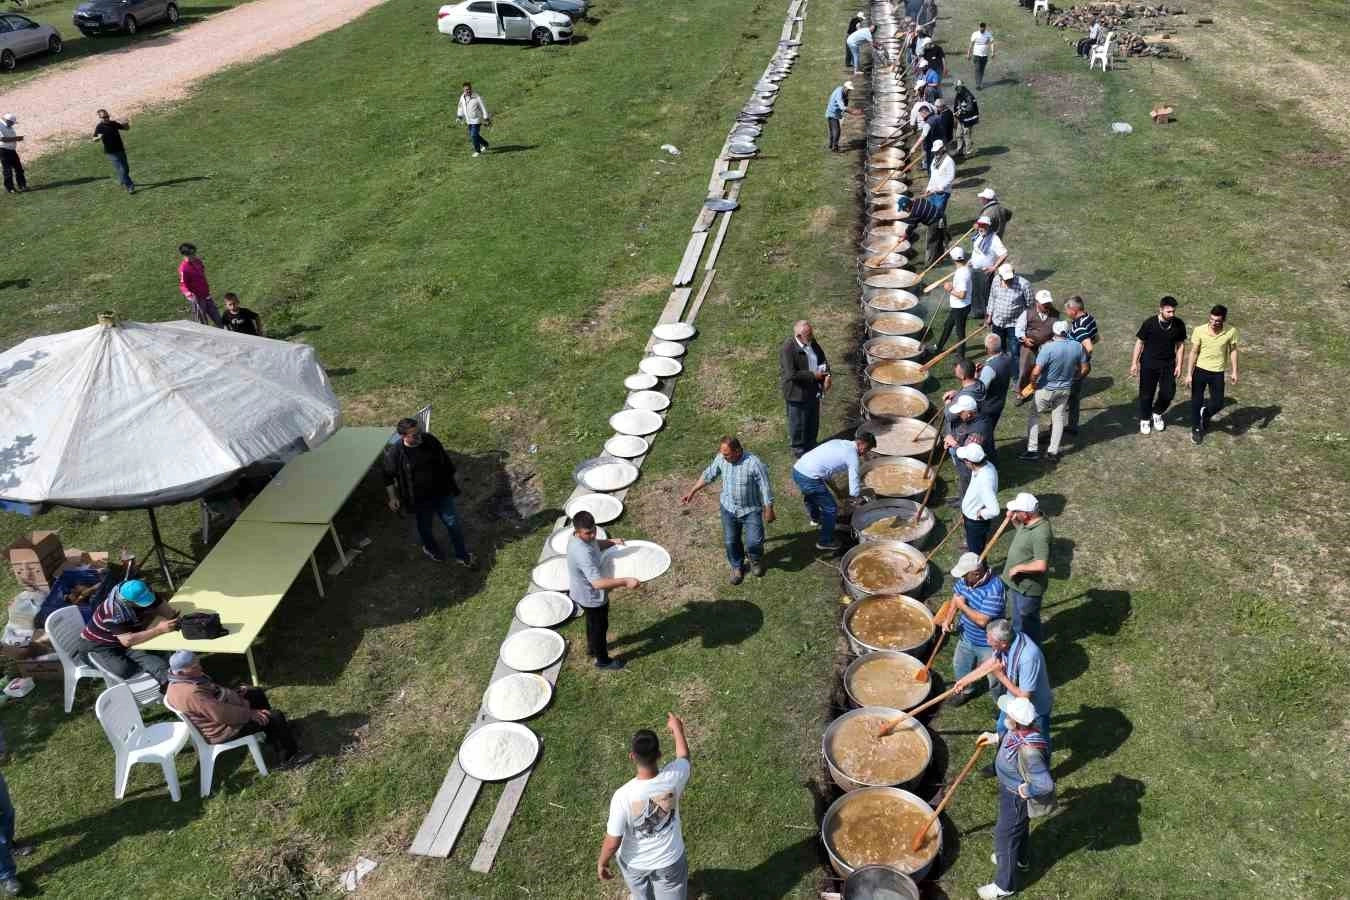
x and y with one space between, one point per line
124 619
222 714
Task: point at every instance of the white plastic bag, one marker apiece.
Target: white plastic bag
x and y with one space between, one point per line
1122 128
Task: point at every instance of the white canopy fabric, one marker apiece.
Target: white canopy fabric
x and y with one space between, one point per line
133 415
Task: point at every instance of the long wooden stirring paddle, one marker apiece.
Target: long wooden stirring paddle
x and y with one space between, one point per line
994 540
899 720
919 835
954 244
945 353
929 492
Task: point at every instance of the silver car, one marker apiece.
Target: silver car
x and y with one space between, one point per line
20 36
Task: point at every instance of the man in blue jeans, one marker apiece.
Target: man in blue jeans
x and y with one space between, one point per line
10 885
109 131
812 472
746 504
978 593
1026 571
419 476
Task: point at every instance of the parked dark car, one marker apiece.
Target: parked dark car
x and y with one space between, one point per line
126 16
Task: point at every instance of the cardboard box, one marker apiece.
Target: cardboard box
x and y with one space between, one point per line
41 669
36 559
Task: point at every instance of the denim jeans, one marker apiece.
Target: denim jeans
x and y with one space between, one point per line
476 138
1007 334
1076 400
967 658
803 419
743 536
127 662
853 55
1201 380
1026 614
442 508
980 63
819 502
121 169
7 867
1010 835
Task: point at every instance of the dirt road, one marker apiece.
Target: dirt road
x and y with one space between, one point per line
60 106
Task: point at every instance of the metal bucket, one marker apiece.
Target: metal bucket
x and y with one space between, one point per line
858 646
930 850
907 666
849 783
885 403
917 476
902 581
912 534
879 883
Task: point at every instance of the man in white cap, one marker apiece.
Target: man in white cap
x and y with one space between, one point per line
1022 764
861 35
1033 330
941 174
979 504
966 425
978 594
1026 571
957 286
854 23
15 181
1009 297
998 214
1059 364
835 110
932 80
987 253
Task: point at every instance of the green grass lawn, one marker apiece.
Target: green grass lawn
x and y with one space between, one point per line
58 13
1192 643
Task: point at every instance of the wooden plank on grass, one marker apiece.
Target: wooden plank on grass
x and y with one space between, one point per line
702 292
691 256
501 820
704 220
449 832
440 808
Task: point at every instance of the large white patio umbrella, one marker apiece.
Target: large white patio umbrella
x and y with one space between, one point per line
126 415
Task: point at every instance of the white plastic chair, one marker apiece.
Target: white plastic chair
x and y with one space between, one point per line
134 742
207 752
63 628
144 688
1041 6
1101 53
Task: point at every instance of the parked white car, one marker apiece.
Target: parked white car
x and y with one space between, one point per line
517 20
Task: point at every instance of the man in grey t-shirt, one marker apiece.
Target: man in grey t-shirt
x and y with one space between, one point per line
587 586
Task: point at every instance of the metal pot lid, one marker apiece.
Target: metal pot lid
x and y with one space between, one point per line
742 149
668 348
897 279
674 331
603 507
766 87
605 475
747 132
653 400
720 204
758 110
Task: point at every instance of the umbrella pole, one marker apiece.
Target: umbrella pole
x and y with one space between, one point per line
159 550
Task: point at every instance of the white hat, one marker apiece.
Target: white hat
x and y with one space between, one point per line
10 118
984 220
963 403
1024 503
968 563
1019 709
987 194
1005 271
938 145
939 103
923 63
958 254
848 85
970 453
1044 297
1060 327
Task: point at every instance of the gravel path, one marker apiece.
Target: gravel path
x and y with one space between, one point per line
55 108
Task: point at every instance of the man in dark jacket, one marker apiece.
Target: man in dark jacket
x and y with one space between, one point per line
804 376
419 476
967 112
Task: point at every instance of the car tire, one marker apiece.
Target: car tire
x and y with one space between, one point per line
542 37
129 25
7 61
171 13
462 34
54 44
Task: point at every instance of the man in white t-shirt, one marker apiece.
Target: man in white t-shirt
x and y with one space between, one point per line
957 286
980 52
644 821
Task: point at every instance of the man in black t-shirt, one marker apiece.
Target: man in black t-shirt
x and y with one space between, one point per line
1159 346
109 131
240 319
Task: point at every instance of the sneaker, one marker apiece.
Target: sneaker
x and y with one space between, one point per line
1021 867
1204 419
11 887
961 698
1144 427
737 576
613 665
131 189
991 891
476 153
471 563
434 557
757 568
1158 423
832 545
1197 435
1030 456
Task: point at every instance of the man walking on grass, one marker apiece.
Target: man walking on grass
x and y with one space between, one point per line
980 52
1212 347
588 586
15 180
420 477
109 131
1059 364
746 504
1159 348
473 112
644 827
804 376
1083 329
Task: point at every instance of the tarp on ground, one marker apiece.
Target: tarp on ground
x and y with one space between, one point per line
134 415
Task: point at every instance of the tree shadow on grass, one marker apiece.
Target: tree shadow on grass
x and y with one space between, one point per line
1097 818
719 623
1094 732
15 283
776 876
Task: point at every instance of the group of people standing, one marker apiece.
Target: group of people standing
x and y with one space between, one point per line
108 132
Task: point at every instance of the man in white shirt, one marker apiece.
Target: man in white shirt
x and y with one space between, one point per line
979 504
855 41
473 112
980 52
987 253
957 286
812 472
644 821
941 174
15 181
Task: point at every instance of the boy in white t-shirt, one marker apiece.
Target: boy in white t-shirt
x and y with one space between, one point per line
980 52
957 286
644 821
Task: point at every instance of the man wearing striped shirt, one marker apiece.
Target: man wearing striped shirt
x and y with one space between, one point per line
1083 329
978 594
746 504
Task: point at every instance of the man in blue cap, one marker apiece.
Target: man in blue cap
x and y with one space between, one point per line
127 618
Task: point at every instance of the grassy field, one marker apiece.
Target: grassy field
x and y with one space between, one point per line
1192 645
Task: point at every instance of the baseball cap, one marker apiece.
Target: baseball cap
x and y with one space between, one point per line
987 194
848 85
1005 271
1024 502
136 592
984 220
10 118
963 403
968 563
971 453
1019 709
923 63
1044 297
1060 327
958 254
938 145
182 659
